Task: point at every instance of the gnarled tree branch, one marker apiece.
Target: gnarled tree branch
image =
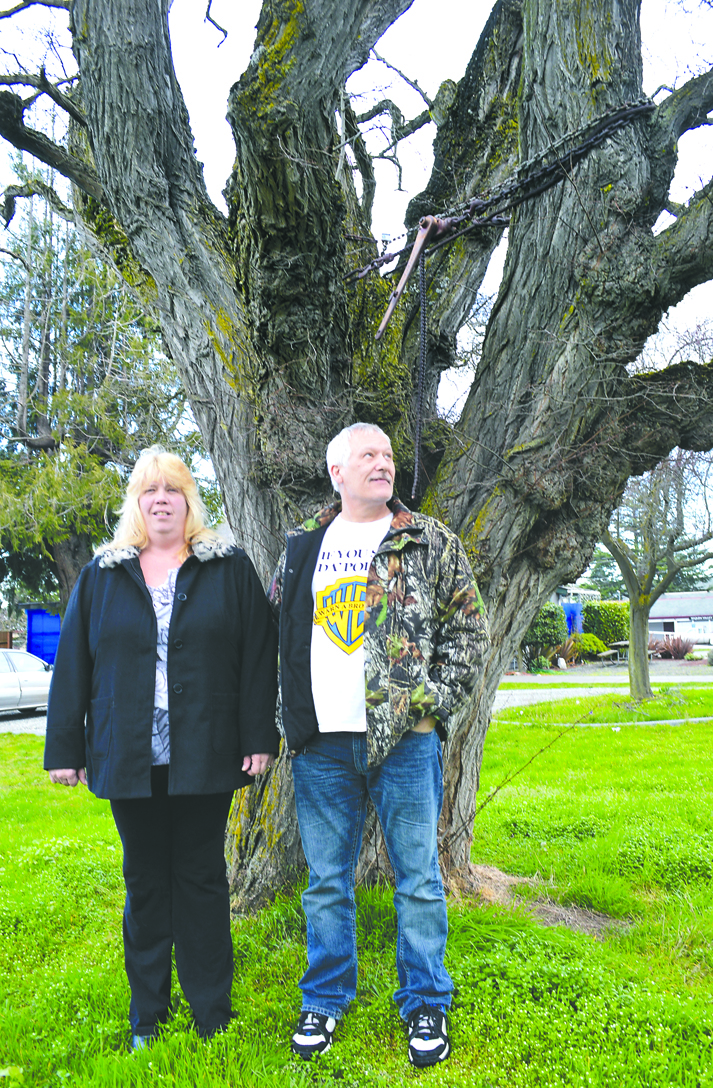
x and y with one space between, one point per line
364 161
683 253
34 187
16 132
42 83
686 108
32 3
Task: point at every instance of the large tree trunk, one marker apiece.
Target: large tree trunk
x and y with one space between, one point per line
69 556
639 678
276 355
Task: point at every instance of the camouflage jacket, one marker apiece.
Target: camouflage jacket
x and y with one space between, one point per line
425 628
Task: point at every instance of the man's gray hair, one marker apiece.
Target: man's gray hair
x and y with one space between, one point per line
340 447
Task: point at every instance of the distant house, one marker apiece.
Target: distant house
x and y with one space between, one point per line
686 614
575 593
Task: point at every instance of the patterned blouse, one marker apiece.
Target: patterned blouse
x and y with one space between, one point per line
162 597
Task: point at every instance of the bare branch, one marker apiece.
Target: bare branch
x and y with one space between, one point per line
14 130
400 129
664 409
18 257
35 187
211 20
41 442
385 105
31 3
683 253
43 84
696 562
364 161
686 108
624 559
411 82
674 209
409 128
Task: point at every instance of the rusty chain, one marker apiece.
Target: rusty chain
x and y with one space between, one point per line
433 232
517 189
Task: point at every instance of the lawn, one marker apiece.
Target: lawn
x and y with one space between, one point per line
670 702
620 822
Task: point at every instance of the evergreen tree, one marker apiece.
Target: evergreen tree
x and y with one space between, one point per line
84 385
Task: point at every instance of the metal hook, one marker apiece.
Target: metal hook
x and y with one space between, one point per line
428 228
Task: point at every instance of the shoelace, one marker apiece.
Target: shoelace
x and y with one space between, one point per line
426 1025
311 1024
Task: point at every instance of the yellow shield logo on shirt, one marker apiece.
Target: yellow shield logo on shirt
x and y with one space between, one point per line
339 611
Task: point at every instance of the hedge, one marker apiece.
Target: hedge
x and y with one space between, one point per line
608 620
548 629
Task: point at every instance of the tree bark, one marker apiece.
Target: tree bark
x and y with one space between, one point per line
69 556
639 677
277 355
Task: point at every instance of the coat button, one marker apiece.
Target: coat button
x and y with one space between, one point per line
177 643
181 596
178 688
293 752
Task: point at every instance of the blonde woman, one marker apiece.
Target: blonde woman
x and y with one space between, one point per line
163 701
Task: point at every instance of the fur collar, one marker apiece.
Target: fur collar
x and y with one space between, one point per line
203 551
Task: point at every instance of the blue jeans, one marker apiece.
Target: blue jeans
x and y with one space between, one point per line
331 787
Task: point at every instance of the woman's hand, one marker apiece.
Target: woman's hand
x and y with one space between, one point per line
69 777
258 764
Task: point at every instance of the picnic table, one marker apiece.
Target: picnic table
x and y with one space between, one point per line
621 649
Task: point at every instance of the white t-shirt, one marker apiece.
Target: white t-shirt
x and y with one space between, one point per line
338 593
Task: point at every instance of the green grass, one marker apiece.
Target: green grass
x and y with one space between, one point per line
532 685
619 821
621 815
670 702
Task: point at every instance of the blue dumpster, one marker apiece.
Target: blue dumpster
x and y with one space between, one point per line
42 632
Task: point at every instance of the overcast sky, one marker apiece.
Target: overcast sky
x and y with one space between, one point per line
677 36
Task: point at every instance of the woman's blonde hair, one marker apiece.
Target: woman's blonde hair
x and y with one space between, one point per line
156 465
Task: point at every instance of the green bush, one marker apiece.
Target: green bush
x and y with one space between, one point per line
539 664
608 620
588 646
548 629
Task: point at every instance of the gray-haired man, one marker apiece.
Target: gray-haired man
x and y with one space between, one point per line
382 630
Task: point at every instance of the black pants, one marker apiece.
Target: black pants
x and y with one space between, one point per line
176 895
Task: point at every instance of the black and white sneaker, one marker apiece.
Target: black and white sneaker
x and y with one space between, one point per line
428 1040
313 1034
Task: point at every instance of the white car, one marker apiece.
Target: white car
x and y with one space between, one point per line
24 681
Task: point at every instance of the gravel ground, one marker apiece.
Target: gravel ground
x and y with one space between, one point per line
11 721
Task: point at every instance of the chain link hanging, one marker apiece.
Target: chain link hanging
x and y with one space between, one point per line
421 375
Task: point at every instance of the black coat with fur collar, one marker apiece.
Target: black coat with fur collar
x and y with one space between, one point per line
222 651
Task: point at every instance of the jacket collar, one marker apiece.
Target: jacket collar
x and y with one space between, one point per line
405 524
203 550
